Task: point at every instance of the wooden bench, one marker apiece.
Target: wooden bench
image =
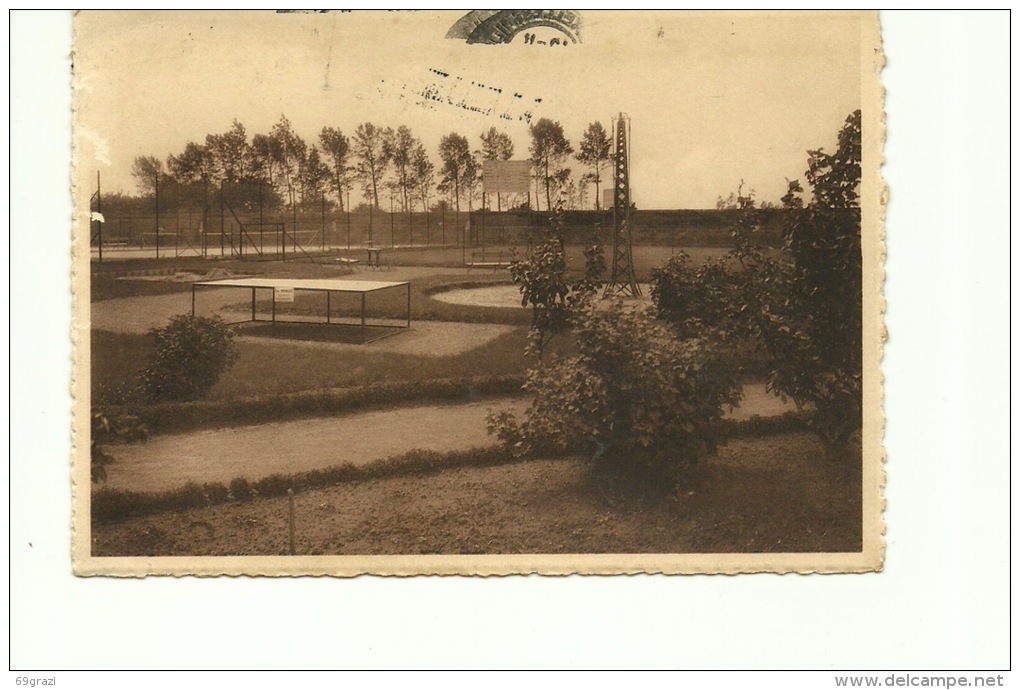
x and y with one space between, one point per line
483 260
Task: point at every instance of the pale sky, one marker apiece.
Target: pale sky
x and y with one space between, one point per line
713 98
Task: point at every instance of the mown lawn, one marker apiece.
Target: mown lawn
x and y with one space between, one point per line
274 367
277 368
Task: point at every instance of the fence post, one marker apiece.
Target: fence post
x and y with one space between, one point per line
290 501
157 214
223 230
99 210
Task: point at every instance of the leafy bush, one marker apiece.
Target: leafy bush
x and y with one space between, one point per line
273 485
110 505
542 279
191 353
545 287
694 296
803 308
241 489
635 395
816 336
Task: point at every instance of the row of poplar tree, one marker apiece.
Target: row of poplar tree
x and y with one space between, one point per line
379 161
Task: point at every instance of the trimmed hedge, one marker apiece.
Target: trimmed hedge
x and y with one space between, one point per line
762 426
114 505
184 416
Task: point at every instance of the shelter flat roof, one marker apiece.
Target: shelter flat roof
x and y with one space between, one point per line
332 285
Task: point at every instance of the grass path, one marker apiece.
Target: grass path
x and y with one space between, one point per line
219 455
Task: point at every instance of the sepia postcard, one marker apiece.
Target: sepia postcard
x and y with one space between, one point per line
478 293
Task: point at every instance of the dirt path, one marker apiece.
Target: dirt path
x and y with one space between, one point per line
219 455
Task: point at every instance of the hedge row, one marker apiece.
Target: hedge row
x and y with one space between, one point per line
762 426
184 416
113 505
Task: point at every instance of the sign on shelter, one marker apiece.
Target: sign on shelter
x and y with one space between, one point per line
283 294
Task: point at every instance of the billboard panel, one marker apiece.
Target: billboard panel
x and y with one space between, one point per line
506 177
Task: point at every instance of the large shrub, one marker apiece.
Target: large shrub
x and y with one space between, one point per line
803 307
816 336
634 395
190 354
542 280
546 288
695 296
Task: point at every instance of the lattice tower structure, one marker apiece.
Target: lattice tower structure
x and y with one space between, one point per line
621 278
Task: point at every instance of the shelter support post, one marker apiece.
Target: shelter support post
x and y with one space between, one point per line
253 304
409 305
192 301
363 318
328 305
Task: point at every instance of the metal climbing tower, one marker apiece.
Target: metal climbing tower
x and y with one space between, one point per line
621 279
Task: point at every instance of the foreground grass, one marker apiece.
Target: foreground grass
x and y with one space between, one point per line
775 494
